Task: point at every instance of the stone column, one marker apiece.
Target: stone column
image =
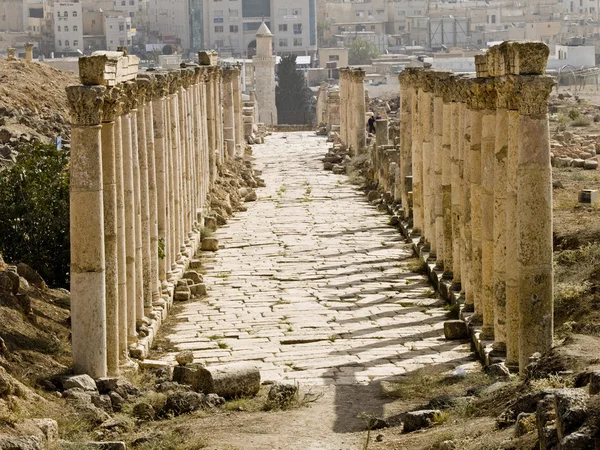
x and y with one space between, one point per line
144 206
534 214
237 111
129 211
109 177
29 51
465 204
158 116
88 289
11 53
343 107
488 143
425 117
121 241
218 102
455 133
448 95
228 106
500 195
137 205
359 109
406 119
211 121
437 162
417 158
475 156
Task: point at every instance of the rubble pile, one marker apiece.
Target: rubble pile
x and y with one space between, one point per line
571 150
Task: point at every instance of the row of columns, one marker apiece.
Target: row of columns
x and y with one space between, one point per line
352 111
144 152
473 176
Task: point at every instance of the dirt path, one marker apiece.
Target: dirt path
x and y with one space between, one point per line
313 286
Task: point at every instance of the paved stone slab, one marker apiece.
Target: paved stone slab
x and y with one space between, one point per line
311 283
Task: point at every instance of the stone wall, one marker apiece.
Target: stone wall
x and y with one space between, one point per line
145 149
471 178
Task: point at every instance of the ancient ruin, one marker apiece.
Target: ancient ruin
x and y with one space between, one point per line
145 150
471 175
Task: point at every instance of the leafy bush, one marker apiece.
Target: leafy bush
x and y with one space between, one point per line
34 212
573 114
581 122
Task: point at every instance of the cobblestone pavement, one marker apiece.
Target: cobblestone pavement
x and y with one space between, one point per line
312 284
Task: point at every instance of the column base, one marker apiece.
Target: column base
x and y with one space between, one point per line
487 333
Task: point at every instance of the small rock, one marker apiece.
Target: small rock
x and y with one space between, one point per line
498 370
194 276
102 402
590 164
282 394
107 445
213 400
379 438
373 195
327 165
377 423
582 439
144 411
117 401
339 169
6 384
456 329
182 293
251 197
415 420
20 443
210 244
172 386
77 395
441 402
183 402
185 357
447 445
210 223
83 382
571 410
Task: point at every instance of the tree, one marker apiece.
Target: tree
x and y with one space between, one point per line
34 212
292 96
361 52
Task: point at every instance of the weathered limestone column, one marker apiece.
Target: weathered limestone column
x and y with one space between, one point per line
465 201
441 81
109 199
88 290
534 210
426 119
144 206
237 112
500 195
228 106
448 95
137 206
359 109
417 157
129 202
121 241
406 92
218 102
488 143
158 116
173 178
211 120
455 133
29 51
343 106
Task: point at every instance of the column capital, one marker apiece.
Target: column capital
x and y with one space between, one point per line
228 74
440 81
483 94
130 96
358 75
86 104
145 86
507 97
532 93
161 87
409 77
174 81
113 105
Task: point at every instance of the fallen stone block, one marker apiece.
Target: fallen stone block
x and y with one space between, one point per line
498 370
210 244
594 386
183 402
210 223
590 164
416 420
229 381
582 439
185 357
373 195
20 443
194 276
251 197
198 289
571 410
83 382
456 329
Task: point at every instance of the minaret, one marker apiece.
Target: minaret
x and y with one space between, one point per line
264 76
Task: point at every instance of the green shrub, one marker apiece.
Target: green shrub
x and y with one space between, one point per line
573 114
581 122
34 212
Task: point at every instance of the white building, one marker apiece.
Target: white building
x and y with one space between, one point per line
117 29
169 20
230 26
68 27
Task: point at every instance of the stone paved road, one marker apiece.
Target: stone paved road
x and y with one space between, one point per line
311 283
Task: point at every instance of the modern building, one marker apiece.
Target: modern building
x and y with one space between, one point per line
169 22
117 29
68 27
230 26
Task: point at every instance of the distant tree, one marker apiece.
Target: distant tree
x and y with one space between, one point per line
168 49
361 52
34 212
292 96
